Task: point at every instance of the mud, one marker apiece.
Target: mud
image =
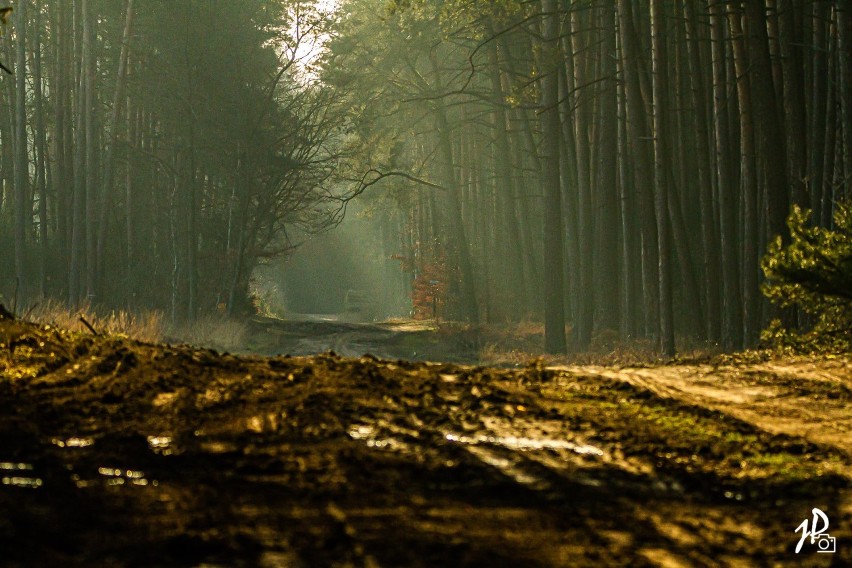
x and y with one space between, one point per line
116 453
401 339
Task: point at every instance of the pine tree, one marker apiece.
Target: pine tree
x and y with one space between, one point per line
813 272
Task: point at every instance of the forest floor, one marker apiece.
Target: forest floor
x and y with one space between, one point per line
119 453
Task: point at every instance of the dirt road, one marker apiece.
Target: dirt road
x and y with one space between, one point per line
119 453
303 334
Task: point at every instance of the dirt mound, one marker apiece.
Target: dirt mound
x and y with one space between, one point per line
114 452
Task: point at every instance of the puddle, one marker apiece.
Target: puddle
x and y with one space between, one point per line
11 466
361 432
72 442
365 433
25 482
263 423
160 445
522 443
508 467
16 477
116 476
219 447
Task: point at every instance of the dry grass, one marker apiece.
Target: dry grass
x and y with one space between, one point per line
147 326
521 343
215 331
212 331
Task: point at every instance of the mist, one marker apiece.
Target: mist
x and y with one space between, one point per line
602 173
365 283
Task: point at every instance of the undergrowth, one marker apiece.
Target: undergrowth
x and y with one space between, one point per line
150 326
517 344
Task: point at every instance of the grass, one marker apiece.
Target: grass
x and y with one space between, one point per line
516 344
148 326
212 331
151 326
685 439
746 454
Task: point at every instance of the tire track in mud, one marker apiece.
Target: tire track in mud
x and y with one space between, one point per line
788 399
512 436
323 461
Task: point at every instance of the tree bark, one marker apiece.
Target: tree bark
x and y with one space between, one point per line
41 154
106 193
554 294
661 159
583 324
767 118
631 268
709 237
794 102
509 237
470 310
91 139
818 104
608 273
78 249
844 44
830 143
750 233
728 211
21 155
638 135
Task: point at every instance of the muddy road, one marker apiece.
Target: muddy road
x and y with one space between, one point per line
116 453
305 335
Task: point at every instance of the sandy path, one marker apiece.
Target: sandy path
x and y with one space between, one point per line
796 397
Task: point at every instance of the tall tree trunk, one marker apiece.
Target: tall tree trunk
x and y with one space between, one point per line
583 324
642 169
750 234
661 199
844 44
793 101
41 154
709 237
554 298
728 213
631 268
67 58
78 249
134 129
818 102
767 118
509 236
116 114
569 175
91 140
60 88
830 143
470 309
607 280
7 156
460 244
21 155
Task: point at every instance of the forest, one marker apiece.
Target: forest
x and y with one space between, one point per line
294 283
609 166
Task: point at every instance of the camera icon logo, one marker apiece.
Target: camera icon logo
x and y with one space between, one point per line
825 543
817 530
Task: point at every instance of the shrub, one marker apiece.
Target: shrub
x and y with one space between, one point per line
814 273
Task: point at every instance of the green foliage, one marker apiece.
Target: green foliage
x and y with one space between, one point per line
814 273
